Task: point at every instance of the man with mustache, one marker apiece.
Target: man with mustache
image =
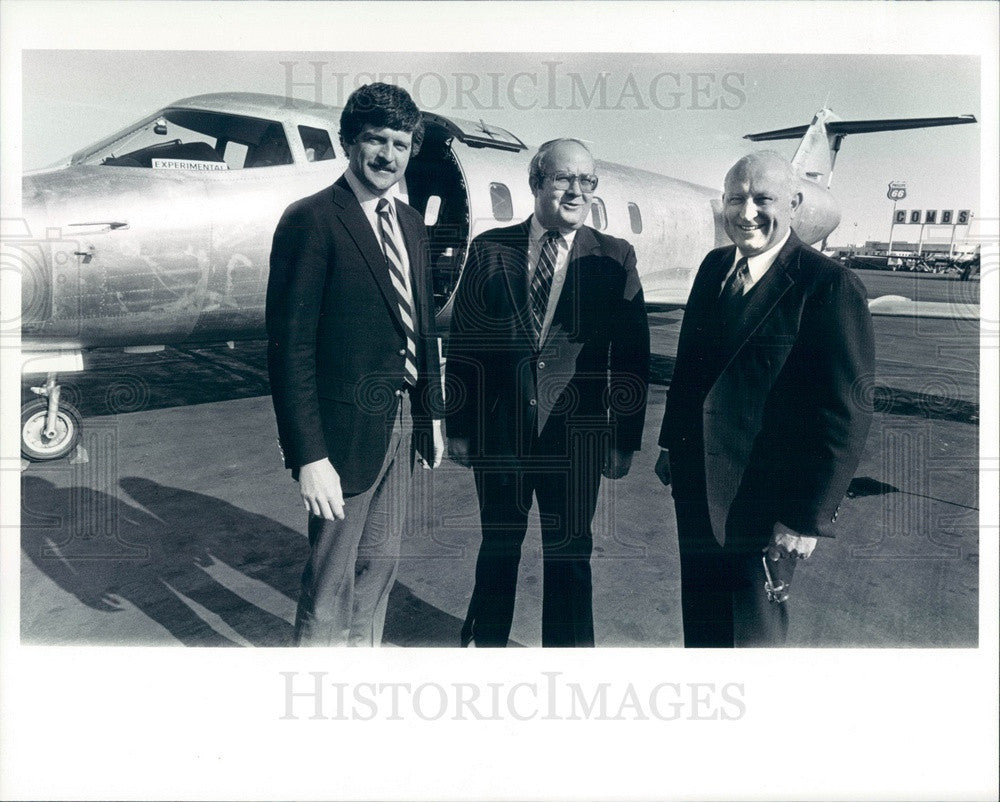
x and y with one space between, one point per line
767 412
546 378
354 367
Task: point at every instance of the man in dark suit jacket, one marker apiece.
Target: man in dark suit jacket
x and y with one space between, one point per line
353 359
768 409
546 384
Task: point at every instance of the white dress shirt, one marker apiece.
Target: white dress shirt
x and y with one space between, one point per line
564 243
369 202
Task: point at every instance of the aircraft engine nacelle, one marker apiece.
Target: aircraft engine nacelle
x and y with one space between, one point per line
817 215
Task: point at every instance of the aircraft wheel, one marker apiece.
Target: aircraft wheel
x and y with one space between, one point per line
35 446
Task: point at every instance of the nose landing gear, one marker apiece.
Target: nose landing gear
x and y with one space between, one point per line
49 430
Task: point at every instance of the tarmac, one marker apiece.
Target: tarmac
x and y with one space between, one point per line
182 526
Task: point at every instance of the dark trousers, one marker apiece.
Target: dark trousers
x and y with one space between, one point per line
567 499
723 600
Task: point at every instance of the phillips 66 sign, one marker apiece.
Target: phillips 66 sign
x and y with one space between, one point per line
897 191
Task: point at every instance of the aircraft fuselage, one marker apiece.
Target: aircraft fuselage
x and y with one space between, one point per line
127 255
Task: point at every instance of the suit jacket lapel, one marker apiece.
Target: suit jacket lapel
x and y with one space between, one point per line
356 223
761 300
584 244
705 291
514 263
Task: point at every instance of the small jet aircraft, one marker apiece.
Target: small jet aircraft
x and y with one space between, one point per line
160 233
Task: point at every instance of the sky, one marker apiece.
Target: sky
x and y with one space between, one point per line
683 115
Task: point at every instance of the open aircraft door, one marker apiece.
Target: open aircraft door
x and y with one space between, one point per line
449 182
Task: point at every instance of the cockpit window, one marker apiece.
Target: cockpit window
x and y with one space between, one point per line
236 155
193 140
316 144
271 150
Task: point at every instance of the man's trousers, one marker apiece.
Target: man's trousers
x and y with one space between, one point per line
352 562
723 600
567 498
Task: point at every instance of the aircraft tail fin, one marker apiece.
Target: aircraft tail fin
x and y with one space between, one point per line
817 152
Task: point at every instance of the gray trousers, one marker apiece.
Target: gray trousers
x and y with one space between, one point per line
352 562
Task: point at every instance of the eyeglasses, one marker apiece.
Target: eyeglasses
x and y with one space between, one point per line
588 182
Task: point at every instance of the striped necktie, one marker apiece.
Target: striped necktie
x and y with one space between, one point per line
541 283
394 260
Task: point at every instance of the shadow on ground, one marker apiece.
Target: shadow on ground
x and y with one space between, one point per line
208 572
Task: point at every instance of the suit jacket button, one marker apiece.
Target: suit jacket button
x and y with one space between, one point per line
541 365
532 402
402 352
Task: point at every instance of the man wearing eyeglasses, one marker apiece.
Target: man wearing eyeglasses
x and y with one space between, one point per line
547 370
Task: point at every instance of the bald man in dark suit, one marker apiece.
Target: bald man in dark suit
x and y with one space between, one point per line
767 414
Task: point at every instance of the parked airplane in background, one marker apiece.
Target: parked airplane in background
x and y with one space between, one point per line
160 234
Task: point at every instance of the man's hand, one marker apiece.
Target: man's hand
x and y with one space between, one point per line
458 451
662 467
437 445
788 543
319 484
617 464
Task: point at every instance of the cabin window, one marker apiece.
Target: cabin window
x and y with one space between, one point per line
316 143
635 218
599 214
193 140
432 210
503 206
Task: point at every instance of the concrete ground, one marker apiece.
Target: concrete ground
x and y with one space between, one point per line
182 527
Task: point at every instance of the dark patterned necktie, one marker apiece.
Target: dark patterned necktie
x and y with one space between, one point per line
731 297
541 283
394 260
